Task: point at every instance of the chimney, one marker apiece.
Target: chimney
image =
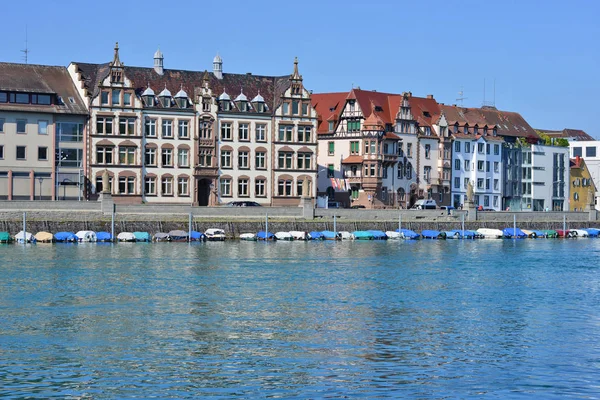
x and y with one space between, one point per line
453 105
577 160
430 96
409 94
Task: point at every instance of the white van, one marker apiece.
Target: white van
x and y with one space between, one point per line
425 204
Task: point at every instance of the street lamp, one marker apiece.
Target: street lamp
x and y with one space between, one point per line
41 180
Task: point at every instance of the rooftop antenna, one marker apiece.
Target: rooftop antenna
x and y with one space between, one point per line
461 96
26 51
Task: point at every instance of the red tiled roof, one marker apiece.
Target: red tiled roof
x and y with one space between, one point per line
391 136
353 160
323 104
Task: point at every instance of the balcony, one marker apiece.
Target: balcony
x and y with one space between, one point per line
354 179
206 143
390 158
371 182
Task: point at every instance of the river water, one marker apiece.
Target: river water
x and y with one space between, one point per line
416 319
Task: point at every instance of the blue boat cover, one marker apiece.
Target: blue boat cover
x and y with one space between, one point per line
430 234
329 234
511 232
358 235
592 231
408 234
198 236
103 236
262 235
142 236
65 237
316 235
378 235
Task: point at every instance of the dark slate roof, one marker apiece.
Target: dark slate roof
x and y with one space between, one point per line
270 88
46 79
576 134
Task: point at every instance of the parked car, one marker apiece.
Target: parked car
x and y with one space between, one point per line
425 204
243 204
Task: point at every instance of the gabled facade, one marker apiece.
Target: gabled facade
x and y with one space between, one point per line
174 136
581 185
42 126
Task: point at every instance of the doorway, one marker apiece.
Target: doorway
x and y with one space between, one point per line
204 192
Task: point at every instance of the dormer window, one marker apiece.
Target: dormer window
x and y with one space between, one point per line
166 102
485 132
181 102
456 128
259 103
165 97
494 132
225 105
242 102
149 101
242 106
181 98
224 101
475 130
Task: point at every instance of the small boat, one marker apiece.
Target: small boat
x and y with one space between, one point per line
299 235
489 233
161 237
580 232
330 235
104 236
551 233
86 236
454 234
215 235
363 235
432 234
284 236
314 235
378 235
126 237
142 236
514 233
593 232
537 234
393 235
529 233
408 234
5 237
467 234
24 237
44 237
196 236
565 234
345 235
63 237
265 236
248 237
179 236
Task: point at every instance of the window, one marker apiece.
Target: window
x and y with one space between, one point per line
167 128
127 155
427 150
69 132
183 158
261 133
495 201
225 187
575 196
243 132
284 188
150 127
205 158
467 147
457 165
466 182
373 147
21 98
243 187
304 133
295 109
104 125
457 183
590 151
167 186
205 130
183 130
480 148
116 97
496 149
385 173
427 174
42 154
206 104
104 98
486 201
243 160
400 170
21 126
127 99
353 125
259 188
330 171
285 160
183 186
577 151
1 152
21 152
304 108
42 127
150 157
1 125
487 184
467 165
487 148
225 158
286 108
304 160
331 126
167 157
479 165
331 146
496 166
104 155
260 160
150 186
354 148
285 133
480 183
126 126
127 185
496 184
487 166
408 149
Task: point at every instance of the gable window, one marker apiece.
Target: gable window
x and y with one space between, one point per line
243 132
295 109
150 127
206 104
286 108
116 97
226 131
261 135
104 98
331 126
104 125
467 147
353 125
183 130
480 148
167 128
304 108
127 99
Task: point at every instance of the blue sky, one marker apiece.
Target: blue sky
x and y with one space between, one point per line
543 55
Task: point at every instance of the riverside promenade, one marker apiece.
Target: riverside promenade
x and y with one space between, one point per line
55 216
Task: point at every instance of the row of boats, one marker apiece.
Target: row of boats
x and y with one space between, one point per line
91 236
216 234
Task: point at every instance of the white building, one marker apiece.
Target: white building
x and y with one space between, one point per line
590 151
545 178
